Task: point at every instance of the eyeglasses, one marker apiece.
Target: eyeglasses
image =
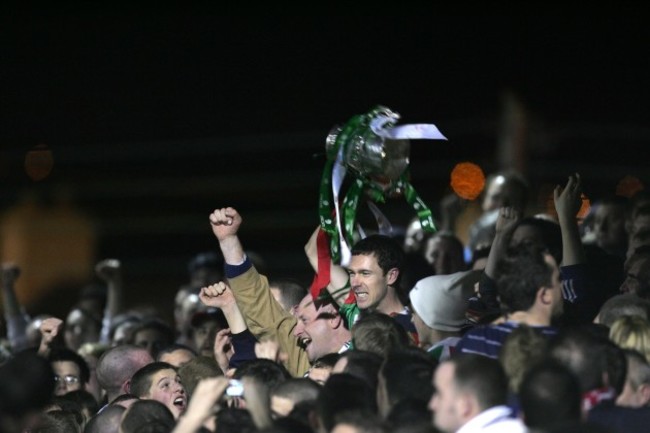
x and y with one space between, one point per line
68 379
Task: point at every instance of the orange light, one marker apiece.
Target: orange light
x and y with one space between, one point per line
39 162
467 180
628 186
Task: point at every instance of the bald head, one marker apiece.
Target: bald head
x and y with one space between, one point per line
117 365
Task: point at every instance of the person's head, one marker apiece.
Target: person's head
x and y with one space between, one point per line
71 372
321 369
540 232
632 332
358 421
464 386
636 392
176 355
625 304
264 371
81 326
28 380
116 367
523 348
590 356
374 271
549 388
445 253
507 188
124 400
438 304
379 333
199 368
205 324
287 292
320 328
153 335
414 237
83 400
637 273
145 412
290 392
360 363
160 381
122 326
343 392
205 268
405 374
107 421
609 224
529 279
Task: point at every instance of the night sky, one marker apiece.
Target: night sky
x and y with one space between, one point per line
125 101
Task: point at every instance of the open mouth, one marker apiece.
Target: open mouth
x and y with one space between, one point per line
361 296
305 341
179 402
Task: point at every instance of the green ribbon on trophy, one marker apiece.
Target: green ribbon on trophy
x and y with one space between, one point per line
376 152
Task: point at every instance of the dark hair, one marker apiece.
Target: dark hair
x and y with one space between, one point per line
173 348
141 380
344 392
297 389
143 412
82 398
200 367
550 233
387 251
549 388
520 275
326 361
234 420
210 259
60 354
264 370
481 376
407 373
364 365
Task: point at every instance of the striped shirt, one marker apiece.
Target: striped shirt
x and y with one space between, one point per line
487 340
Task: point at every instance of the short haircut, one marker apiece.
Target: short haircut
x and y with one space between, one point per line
520 275
482 377
106 420
362 421
264 370
117 365
550 388
638 371
407 374
326 361
64 354
173 348
344 392
379 333
625 304
235 420
523 347
291 292
141 380
632 332
143 412
550 233
197 369
364 365
28 380
297 389
387 251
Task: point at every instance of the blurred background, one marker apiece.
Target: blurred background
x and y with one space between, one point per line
121 133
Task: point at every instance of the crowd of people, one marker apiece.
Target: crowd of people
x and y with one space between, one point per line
537 323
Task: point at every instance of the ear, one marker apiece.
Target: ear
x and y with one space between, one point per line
392 275
644 393
126 387
465 406
545 296
336 321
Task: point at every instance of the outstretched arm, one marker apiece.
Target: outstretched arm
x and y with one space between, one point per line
14 313
225 224
568 201
110 270
338 285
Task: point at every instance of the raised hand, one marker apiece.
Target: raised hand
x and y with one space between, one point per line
108 269
568 200
9 273
223 349
507 220
225 222
217 295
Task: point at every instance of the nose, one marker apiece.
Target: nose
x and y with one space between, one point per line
299 329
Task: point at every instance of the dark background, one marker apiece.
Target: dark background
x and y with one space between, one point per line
155 119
